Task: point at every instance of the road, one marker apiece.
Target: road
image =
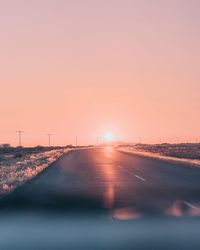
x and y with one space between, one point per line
120 185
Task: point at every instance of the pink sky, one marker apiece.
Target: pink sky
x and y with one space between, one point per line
85 67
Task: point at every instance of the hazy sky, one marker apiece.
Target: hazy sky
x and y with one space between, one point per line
85 67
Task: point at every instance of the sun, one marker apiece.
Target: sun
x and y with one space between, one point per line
109 136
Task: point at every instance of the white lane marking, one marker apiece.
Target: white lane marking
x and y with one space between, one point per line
139 177
135 175
190 205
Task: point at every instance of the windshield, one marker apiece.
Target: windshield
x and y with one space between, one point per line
99 129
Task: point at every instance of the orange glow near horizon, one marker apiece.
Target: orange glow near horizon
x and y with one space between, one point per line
80 68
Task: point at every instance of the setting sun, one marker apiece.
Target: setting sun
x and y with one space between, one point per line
109 136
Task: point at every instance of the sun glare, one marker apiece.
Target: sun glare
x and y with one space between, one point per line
109 136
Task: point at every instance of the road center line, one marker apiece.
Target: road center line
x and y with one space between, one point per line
135 175
139 177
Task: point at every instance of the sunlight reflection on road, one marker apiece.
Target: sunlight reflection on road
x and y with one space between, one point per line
112 177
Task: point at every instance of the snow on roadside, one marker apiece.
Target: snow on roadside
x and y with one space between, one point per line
15 171
132 150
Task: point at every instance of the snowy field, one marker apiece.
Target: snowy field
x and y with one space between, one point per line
16 168
177 153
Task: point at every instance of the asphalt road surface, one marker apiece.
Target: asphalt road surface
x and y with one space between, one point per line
119 185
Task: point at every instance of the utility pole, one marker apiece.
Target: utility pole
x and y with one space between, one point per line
49 138
76 140
20 137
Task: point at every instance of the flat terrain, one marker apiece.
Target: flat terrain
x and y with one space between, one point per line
183 150
119 185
